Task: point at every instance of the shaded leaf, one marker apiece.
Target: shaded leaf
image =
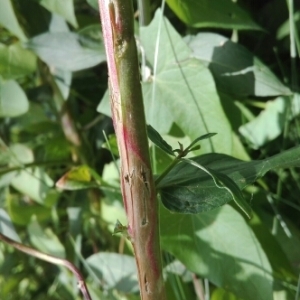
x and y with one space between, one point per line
190 190
244 76
213 13
219 246
16 61
157 139
64 50
13 100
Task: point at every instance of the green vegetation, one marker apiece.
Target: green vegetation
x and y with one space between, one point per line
221 94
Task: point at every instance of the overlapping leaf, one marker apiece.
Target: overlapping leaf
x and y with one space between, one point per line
188 189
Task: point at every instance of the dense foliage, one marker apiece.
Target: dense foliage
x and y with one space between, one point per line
207 66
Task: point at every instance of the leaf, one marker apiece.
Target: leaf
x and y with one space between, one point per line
76 179
219 246
45 240
270 123
184 90
93 4
213 13
223 181
9 20
189 190
200 138
16 61
63 8
13 100
6 226
21 213
64 51
236 70
117 271
157 139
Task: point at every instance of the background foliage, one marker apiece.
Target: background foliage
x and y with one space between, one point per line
207 66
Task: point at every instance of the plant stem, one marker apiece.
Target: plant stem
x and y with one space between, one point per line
144 12
139 195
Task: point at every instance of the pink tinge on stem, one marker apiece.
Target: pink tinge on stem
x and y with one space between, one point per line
106 15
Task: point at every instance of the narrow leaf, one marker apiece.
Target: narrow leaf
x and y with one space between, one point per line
202 137
157 139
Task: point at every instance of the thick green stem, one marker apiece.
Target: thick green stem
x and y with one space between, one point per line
137 184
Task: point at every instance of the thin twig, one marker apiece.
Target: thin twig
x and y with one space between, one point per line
52 259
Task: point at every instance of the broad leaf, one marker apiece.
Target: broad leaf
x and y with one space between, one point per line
219 246
65 51
182 87
236 70
270 123
13 100
45 240
63 8
9 20
187 189
115 270
16 61
213 13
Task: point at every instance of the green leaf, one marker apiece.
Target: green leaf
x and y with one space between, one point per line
9 20
93 4
21 213
63 8
213 13
190 190
117 271
200 138
221 181
270 123
6 226
76 179
221 294
13 100
219 246
157 139
16 61
45 240
183 89
236 70
65 51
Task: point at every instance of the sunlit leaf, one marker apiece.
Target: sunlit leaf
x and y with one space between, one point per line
76 179
45 240
63 8
244 76
9 20
182 90
64 50
219 246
